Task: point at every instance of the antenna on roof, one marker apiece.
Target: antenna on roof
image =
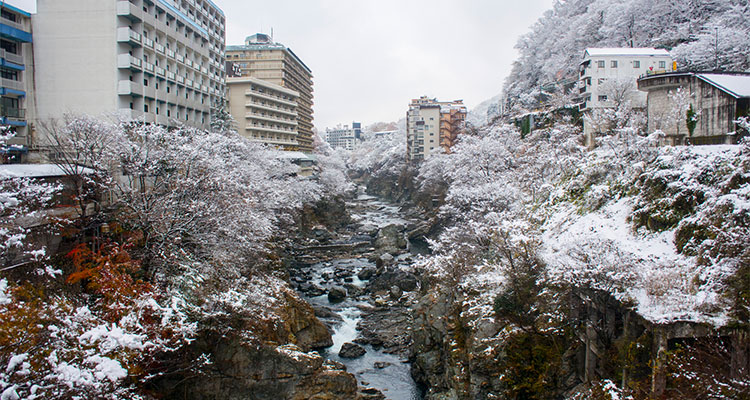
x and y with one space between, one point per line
272 34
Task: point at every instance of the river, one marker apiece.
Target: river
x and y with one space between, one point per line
389 373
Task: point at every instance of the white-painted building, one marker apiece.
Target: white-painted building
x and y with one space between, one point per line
16 84
344 136
156 61
605 70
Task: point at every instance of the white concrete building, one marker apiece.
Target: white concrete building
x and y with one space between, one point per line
264 112
605 70
344 136
16 83
157 61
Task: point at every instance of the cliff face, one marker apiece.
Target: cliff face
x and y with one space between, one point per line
602 341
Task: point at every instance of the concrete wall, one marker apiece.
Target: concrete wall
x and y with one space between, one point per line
717 112
75 52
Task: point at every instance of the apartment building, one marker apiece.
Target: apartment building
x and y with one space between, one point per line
432 125
344 136
260 57
606 71
16 79
264 112
156 61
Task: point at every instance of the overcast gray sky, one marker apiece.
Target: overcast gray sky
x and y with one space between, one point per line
369 58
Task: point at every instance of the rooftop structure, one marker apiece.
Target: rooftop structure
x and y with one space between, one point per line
432 125
262 58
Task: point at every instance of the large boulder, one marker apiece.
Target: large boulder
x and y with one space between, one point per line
366 273
351 350
404 280
391 238
336 294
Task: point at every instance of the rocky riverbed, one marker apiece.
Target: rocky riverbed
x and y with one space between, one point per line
359 282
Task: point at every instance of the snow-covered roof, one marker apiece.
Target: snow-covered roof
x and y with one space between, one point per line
295 155
626 51
8 171
736 85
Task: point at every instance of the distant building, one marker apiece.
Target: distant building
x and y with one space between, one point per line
264 112
624 65
156 61
264 59
16 84
432 125
344 136
717 98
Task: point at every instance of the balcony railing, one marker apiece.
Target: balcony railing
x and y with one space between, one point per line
10 112
14 58
11 84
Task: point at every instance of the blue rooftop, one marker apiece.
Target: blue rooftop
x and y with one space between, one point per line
16 9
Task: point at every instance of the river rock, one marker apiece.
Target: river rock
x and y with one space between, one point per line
404 280
391 238
395 292
353 290
351 350
369 230
366 273
311 289
336 294
384 260
381 364
371 394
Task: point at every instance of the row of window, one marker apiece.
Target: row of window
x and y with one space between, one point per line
636 64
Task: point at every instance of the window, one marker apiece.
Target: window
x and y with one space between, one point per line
601 80
145 82
662 64
603 98
131 105
600 64
145 108
613 64
636 64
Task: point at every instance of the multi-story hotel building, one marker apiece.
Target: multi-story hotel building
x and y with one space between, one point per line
344 136
264 112
16 81
157 61
261 58
432 125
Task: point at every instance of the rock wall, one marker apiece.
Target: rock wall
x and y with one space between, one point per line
602 339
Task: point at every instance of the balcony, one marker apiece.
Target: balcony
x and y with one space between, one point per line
14 31
171 76
126 61
170 54
271 108
129 10
12 85
148 67
270 97
14 58
10 112
127 35
160 71
180 58
159 48
129 88
181 79
148 42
